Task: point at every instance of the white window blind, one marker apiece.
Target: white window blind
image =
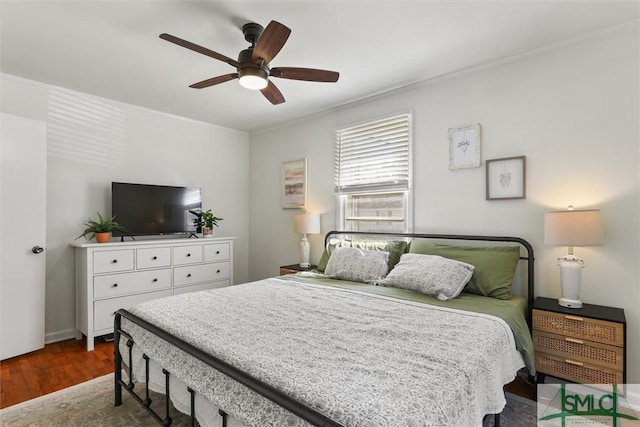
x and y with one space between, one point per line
374 156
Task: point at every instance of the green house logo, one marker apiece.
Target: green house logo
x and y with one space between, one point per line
575 404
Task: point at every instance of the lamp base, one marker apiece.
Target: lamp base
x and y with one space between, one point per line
570 303
304 252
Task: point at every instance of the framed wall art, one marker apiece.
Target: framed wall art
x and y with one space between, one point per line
506 178
464 147
293 183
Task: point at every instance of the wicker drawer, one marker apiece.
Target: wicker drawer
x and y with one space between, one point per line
576 371
579 327
604 355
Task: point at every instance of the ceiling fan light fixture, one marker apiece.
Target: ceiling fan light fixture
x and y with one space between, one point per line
253 78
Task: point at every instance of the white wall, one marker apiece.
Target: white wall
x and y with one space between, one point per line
134 145
571 109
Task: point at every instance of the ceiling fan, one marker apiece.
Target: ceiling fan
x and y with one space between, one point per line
252 66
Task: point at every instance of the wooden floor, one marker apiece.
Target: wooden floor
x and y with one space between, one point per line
56 366
61 365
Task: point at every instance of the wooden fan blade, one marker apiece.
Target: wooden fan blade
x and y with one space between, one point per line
199 49
270 42
214 81
307 74
273 94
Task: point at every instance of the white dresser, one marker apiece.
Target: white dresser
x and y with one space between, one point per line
115 275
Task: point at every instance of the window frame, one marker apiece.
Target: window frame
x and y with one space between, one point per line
407 194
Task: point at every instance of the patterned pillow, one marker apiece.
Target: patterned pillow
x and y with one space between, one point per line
433 275
395 248
357 264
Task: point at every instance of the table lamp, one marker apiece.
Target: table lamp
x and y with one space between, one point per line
306 223
572 228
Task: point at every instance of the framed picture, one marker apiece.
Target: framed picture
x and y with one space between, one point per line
293 183
506 178
464 147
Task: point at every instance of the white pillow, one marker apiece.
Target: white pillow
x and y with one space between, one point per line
433 275
358 265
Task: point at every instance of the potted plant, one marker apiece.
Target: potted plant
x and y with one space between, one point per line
208 220
101 228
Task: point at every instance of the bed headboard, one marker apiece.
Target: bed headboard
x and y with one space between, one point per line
528 257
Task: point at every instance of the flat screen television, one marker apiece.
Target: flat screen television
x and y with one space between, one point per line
143 209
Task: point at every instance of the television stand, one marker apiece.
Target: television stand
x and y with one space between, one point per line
193 235
122 238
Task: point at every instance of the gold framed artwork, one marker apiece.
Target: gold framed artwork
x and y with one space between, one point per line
506 178
293 184
464 147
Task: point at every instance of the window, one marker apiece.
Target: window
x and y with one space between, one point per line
373 175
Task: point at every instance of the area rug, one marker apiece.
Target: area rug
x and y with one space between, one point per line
88 404
91 404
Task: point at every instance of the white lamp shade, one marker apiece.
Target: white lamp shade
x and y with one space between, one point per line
573 228
307 223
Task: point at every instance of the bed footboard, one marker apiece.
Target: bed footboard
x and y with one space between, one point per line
300 409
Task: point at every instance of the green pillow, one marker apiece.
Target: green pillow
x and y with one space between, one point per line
395 248
495 266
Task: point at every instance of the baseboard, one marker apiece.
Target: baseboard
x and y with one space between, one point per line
57 336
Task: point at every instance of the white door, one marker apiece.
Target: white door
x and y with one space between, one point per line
23 215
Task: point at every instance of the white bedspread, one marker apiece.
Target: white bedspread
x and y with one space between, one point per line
358 358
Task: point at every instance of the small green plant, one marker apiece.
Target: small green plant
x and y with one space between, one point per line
100 225
209 220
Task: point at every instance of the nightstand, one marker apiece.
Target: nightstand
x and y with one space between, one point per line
295 268
583 345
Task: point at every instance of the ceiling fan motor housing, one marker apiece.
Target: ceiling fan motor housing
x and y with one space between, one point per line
248 67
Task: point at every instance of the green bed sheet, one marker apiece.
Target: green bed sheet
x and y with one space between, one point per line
512 311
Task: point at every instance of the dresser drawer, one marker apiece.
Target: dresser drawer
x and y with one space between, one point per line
104 310
114 285
604 355
201 287
153 258
193 274
216 252
183 255
579 327
576 371
112 261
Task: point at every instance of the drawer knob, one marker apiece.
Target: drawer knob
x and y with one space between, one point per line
576 318
573 340
154 280
218 271
115 261
154 258
573 362
188 255
115 285
217 252
189 275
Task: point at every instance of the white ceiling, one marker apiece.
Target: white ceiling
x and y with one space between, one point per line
111 48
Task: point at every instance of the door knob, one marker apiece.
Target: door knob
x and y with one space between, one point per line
37 250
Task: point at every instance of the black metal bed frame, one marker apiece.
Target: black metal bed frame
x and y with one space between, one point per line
298 408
